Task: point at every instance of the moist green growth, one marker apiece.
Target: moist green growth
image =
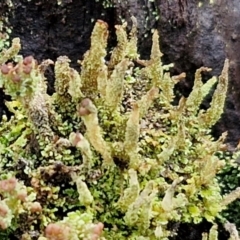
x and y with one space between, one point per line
108 155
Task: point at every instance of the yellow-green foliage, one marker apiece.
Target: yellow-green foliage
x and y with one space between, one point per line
138 161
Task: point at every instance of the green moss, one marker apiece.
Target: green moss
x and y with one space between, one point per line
104 149
106 3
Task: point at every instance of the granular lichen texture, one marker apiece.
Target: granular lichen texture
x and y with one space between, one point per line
108 155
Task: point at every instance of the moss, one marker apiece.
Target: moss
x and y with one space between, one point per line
229 181
109 147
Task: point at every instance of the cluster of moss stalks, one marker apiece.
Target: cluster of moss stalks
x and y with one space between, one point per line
108 155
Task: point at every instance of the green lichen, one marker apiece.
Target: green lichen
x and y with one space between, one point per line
109 147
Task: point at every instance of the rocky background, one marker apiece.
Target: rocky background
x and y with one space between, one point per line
193 34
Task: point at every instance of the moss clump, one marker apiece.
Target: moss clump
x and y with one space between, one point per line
229 181
109 148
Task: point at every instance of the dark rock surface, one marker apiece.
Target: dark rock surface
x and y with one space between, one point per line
197 33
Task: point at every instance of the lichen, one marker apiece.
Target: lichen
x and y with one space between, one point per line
109 155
